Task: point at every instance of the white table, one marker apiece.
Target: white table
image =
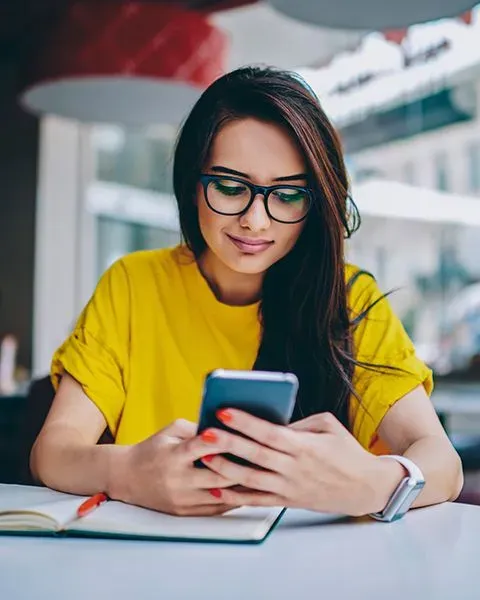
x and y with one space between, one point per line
432 554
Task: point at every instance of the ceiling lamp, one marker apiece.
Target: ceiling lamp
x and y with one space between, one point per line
134 64
371 14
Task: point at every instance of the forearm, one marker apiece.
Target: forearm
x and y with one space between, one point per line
439 464
63 461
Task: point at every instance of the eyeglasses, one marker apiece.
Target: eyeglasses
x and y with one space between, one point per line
231 196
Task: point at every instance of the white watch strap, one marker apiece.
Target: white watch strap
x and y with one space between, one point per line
411 467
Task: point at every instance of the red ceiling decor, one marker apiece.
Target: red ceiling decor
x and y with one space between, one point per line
134 63
467 17
19 21
395 35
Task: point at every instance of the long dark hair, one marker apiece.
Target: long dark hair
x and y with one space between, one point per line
306 326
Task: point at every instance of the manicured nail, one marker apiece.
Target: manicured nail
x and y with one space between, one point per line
209 436
216 493
208 458
224 415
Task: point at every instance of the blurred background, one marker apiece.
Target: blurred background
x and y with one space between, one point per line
92 95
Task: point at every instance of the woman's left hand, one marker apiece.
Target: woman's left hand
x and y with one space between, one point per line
314 464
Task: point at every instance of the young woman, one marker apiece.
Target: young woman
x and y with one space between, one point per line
260 283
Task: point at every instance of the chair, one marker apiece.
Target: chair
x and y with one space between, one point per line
11 416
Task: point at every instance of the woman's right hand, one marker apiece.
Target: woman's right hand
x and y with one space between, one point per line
159 474
156 473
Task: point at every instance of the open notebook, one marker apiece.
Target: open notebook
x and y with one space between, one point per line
27 510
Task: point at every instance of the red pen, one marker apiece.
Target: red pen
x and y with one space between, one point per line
91 504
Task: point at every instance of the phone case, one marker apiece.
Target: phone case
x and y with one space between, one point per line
268 395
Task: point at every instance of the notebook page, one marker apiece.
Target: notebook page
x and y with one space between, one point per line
23 506
246 523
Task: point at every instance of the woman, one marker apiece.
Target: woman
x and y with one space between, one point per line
262 193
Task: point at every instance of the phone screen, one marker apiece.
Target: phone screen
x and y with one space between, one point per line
268 395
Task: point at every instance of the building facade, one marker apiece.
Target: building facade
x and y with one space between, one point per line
429 139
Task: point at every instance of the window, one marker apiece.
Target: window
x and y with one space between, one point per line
381 260
473 157
135 158
441 172
132 195
409 174
115 238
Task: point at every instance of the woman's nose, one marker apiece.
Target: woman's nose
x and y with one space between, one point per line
256 218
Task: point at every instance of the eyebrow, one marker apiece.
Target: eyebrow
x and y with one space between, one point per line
220 169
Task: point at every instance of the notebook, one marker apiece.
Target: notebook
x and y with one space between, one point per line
29 510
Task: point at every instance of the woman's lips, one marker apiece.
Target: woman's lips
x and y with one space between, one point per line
250 245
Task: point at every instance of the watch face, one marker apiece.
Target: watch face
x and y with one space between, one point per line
401 500
406 497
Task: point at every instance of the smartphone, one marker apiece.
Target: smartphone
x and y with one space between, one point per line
268 395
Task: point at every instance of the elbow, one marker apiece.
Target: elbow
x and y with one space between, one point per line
457 479
39 462
35 462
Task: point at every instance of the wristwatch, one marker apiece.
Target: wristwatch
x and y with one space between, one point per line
405 494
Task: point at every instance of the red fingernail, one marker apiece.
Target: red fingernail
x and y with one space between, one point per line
224 415
208 458
209 436
216 493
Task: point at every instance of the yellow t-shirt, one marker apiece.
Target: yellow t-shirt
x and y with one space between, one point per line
153 329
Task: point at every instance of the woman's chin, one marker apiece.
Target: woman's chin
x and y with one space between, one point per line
251 267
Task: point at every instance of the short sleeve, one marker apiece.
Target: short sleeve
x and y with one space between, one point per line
96 352
381 341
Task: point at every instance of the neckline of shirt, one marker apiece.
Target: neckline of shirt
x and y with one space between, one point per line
207 298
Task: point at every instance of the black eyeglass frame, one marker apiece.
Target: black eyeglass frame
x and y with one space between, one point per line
265 191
